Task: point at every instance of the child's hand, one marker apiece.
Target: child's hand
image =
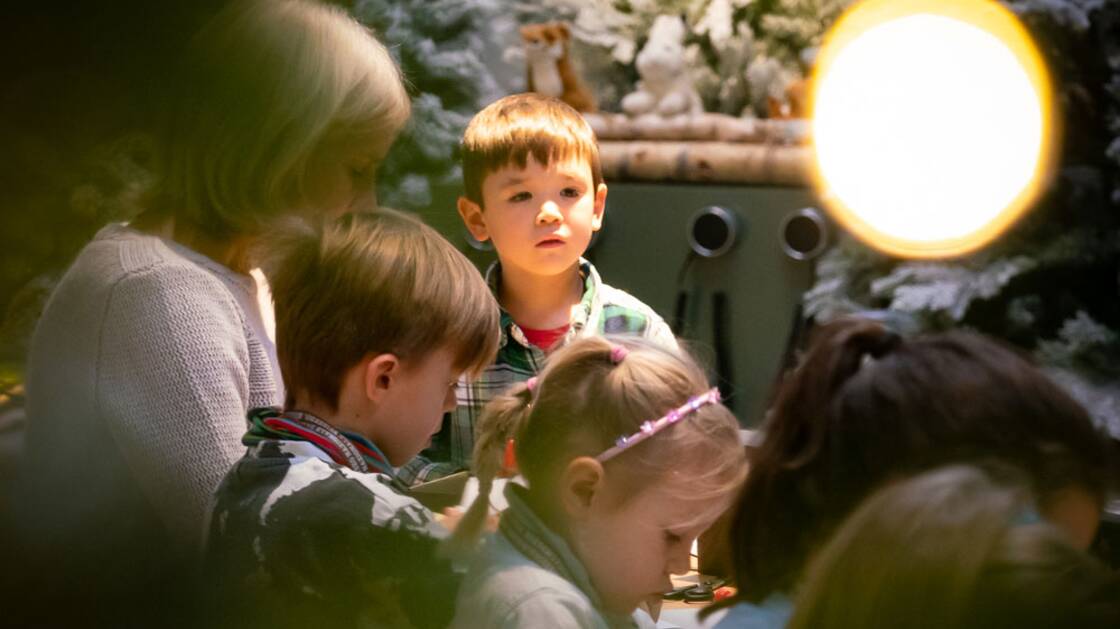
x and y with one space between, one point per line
452 516
652 606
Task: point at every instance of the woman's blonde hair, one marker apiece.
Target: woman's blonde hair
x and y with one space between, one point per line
959 546
583 401
262 87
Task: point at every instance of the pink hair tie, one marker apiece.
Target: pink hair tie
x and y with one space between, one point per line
531 384
618 352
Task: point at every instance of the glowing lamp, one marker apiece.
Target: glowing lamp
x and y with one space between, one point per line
932 124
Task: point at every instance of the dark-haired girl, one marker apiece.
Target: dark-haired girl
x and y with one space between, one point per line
868 406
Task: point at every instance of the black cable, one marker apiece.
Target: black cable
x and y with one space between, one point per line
681 305
798 329
724 369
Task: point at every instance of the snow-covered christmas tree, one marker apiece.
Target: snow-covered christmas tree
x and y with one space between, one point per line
441 46
1051 285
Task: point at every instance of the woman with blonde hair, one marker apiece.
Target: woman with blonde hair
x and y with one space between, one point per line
959 546
154 344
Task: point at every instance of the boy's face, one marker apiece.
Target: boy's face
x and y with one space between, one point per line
412 411
539 218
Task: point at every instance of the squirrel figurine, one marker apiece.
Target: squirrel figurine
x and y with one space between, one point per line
550 70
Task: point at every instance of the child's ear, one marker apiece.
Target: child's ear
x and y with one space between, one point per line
380 376
600 207
580 483
471 214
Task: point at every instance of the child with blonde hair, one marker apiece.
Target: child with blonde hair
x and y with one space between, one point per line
627 456
534 188
960 546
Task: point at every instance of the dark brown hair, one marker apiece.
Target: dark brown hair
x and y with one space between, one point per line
372 283
866 406
511 129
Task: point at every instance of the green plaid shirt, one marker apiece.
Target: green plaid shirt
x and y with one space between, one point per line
603 310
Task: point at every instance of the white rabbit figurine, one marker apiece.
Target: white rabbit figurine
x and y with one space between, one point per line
665 87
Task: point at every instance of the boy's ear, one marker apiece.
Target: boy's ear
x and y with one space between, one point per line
600 207
471 214
381 375
579 485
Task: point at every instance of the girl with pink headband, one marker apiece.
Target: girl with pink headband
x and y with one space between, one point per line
628 456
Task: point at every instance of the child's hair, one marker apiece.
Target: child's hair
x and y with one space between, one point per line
583 401
955 547
261 88
866 406
511 129
371 283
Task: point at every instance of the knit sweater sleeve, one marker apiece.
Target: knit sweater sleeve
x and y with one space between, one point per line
173 387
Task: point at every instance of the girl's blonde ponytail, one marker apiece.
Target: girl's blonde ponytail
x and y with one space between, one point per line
501 420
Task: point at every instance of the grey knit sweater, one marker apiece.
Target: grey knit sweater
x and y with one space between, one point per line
142 368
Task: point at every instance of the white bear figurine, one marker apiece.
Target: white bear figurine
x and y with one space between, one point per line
665 88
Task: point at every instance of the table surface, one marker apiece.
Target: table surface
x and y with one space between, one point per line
692 578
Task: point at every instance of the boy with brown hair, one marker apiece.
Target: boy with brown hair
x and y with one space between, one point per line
377 316
534 188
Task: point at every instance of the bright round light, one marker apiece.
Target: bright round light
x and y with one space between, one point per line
931 123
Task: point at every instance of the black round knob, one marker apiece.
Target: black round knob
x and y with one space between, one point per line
712 231
804 234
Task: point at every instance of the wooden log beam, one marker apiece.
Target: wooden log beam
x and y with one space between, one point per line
707 162
705 127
